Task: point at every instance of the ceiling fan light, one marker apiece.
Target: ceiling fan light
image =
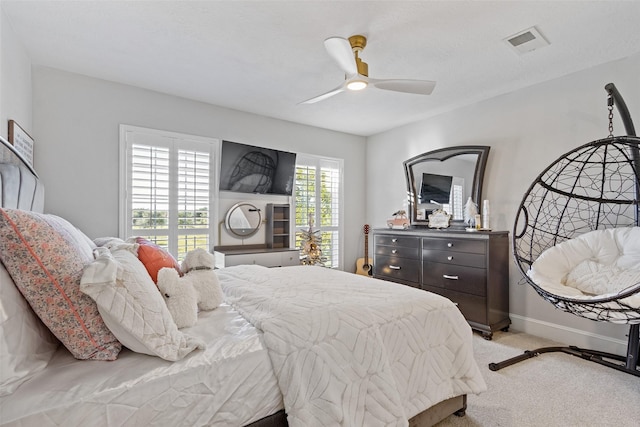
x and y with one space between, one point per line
356 85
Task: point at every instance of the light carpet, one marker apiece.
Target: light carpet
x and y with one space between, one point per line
553 389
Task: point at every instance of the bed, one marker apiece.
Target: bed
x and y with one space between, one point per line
295 346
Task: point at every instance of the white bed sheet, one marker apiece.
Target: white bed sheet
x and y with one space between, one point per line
230 383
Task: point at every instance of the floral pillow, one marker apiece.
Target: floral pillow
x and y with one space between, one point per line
45 256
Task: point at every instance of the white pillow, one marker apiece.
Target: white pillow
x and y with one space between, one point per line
131 305
26 344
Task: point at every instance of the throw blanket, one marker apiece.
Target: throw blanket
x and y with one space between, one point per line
349 350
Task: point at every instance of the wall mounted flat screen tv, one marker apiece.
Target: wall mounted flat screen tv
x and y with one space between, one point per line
250 169
435 188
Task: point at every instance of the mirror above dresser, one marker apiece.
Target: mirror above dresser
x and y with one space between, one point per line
445 179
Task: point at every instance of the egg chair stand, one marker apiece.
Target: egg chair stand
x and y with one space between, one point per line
594 187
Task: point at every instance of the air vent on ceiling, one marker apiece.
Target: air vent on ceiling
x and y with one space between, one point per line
527 40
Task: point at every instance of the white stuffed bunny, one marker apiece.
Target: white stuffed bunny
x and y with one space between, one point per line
198 268
180 296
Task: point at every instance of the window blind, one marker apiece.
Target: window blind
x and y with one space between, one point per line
168 190
318 198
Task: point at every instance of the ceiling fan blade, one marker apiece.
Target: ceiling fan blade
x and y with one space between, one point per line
340 50
419 87
324 95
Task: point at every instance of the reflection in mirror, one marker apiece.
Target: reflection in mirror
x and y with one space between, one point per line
445 179
445 185
243 219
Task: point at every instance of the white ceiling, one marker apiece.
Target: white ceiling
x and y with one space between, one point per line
265 57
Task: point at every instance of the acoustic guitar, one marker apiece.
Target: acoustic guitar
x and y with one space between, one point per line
364 266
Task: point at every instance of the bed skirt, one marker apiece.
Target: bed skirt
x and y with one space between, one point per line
429 417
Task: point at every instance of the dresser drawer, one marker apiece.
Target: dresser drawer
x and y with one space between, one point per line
453 244
454 258
397 241
267 259
459 278
398 251
472 307
397 268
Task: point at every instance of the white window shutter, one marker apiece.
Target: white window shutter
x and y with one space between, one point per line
318 195
168 182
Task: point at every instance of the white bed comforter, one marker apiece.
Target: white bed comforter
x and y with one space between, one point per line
351 350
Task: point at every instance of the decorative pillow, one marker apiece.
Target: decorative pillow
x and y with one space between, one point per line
45 256
131 305
154 257
26 345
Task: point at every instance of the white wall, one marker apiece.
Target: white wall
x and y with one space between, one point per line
526 130
76 129
15 80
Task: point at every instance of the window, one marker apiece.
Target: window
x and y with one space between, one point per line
168 178
318 196
457 202
456 207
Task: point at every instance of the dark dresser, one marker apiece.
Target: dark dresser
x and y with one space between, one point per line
469 268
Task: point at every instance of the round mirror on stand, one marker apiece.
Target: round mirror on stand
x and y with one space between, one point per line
243 220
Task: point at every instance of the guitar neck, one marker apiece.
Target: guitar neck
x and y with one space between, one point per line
366 246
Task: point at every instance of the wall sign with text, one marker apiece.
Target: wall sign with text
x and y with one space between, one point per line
21 140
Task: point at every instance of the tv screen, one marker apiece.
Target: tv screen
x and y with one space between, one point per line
249 169
435 188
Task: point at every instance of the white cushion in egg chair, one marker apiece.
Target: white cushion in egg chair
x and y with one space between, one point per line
601 263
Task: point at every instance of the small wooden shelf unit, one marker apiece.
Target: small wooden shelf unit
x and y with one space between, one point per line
278 226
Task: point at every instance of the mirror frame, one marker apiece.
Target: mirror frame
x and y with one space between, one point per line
441 155
232 209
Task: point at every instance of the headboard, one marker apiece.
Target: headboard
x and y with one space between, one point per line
20 187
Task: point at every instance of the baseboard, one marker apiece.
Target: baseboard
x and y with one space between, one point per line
568 336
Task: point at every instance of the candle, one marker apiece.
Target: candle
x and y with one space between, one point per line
485 215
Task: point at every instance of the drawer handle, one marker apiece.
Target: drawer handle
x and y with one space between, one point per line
394 267
394 251
446 276
449 245
394 240
450 258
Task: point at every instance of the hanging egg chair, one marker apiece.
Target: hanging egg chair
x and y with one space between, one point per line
576 238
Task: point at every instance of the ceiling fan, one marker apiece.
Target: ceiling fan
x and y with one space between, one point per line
346 54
